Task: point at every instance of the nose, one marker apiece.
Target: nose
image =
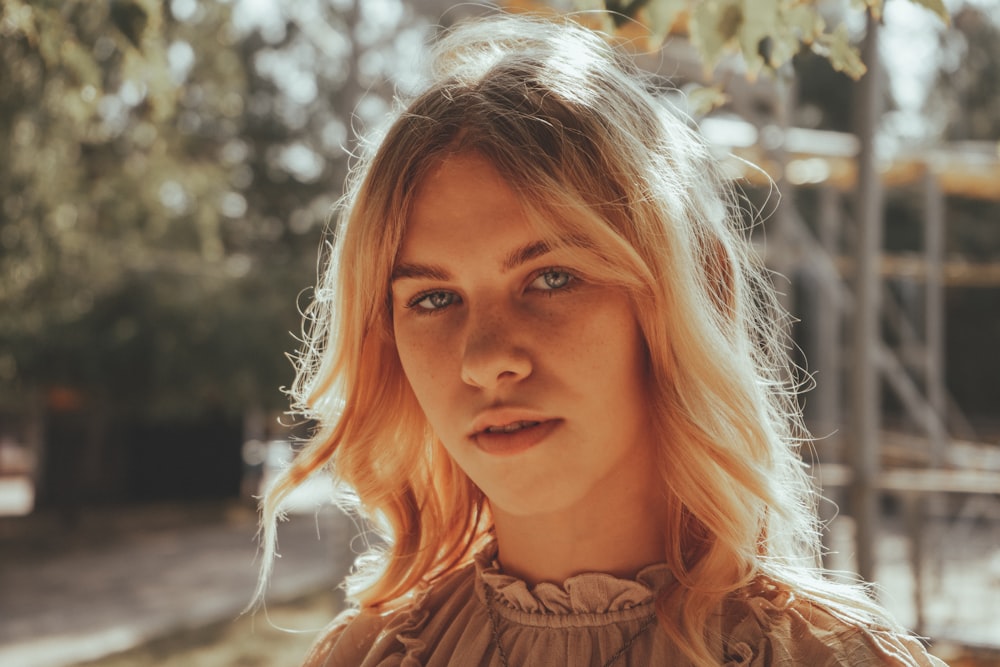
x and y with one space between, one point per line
494 354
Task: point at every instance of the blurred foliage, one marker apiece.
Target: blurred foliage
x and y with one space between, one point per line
114 213
967 98
169 169
767 33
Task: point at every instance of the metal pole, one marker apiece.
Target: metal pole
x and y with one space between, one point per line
780 239
865 391
934 212
920 507
828 316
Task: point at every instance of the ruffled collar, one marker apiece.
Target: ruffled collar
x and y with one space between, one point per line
593 598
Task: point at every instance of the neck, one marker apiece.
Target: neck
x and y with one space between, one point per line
614 532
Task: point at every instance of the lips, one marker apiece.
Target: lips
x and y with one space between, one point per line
512 427
506 432
506 419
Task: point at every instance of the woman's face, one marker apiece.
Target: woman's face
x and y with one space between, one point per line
532 377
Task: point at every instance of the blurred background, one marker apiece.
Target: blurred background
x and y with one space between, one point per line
167 173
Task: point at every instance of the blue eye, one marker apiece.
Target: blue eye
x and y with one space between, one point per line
551 280
433 301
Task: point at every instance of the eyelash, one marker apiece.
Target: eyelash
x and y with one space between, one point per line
414 303
571 279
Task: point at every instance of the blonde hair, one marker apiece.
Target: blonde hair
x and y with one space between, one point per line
609 170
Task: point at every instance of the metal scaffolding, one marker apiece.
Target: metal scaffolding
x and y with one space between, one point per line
842 264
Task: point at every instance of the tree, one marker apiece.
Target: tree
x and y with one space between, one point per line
170 172
103 192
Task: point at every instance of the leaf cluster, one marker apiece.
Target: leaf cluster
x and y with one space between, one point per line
767 33
170 168
126 245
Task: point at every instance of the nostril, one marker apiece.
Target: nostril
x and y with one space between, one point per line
491 359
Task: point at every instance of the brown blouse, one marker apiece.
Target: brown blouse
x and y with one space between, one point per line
587 620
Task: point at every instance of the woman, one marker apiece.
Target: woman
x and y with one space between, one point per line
548 370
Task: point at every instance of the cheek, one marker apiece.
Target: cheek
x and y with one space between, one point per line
618 368
613 341
410 345
424 360
411 358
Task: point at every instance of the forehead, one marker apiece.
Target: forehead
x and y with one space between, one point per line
463 199
462 182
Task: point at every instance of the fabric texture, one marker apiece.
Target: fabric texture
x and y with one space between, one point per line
587 619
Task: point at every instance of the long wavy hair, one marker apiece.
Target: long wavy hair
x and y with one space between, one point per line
606 168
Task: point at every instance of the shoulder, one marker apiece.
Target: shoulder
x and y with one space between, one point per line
347 640
367 637
770 626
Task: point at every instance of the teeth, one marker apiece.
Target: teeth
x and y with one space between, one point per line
510 428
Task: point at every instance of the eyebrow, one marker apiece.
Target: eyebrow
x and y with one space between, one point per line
419 271
513 260
525 254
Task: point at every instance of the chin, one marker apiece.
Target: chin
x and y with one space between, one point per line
526 503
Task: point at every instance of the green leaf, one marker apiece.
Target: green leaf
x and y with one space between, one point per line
876 7
837 48
782 50
730 20
936 6
804 21
131 19
704 99
80 62
661 15
760 17
623 11
713 27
